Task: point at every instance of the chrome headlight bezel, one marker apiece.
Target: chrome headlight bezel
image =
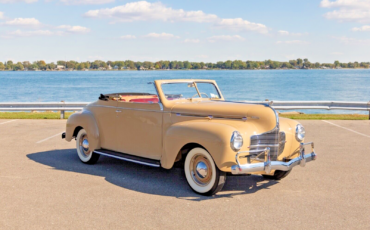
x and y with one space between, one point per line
300 133
236 142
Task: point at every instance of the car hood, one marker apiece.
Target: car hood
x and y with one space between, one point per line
227 110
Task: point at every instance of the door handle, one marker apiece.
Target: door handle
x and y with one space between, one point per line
118 111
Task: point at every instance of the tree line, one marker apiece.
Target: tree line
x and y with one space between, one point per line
147 65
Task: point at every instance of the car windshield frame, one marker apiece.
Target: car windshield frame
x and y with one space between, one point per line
199 97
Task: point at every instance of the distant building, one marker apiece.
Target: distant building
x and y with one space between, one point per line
142 68
115 67
60 67
205 67
109 67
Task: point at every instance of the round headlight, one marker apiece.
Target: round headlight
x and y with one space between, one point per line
236 141
299 132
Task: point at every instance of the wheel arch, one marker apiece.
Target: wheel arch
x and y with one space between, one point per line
211 136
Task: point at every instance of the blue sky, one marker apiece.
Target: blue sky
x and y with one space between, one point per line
194 30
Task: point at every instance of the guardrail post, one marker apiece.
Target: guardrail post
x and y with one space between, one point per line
62 114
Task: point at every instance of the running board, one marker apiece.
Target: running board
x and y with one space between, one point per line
127 157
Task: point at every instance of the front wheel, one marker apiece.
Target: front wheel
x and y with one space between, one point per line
84 152
202 174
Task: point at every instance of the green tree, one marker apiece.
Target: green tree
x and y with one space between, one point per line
220 65
299 62
51 66
18 67
70 65
187 65
2 66
228 64
63 63
196 65
130 64
317 65
336 63
293 62
41 64
9 65
180 65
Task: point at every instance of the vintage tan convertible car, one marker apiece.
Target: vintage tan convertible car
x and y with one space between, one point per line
189 121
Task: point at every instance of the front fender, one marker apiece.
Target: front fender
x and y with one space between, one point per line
215 137
86 120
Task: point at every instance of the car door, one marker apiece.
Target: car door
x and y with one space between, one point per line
139 129
106 117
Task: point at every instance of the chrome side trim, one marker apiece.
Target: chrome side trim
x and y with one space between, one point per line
147 110
268 165
126 159
214 117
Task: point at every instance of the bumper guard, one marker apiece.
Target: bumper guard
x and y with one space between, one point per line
269 165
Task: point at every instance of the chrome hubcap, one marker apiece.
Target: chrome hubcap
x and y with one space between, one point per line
200 169
84 145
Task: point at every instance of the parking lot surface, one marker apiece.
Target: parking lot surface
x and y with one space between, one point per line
43 185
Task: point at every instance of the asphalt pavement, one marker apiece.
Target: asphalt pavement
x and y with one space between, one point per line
43 185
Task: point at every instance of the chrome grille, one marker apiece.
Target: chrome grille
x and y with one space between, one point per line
275 140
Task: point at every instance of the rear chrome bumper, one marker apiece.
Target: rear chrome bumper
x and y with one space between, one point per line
269 165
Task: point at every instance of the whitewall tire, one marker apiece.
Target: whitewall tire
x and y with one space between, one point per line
84 152
202 174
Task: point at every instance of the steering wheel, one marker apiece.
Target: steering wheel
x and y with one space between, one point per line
200 94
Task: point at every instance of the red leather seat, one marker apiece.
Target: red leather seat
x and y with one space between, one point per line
145 100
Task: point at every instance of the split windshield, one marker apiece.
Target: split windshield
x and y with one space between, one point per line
189 90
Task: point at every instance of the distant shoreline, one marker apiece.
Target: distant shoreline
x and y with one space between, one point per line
116 70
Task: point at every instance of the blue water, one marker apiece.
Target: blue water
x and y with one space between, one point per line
337 85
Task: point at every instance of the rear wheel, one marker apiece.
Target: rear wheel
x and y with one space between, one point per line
84 152
202 174
278 175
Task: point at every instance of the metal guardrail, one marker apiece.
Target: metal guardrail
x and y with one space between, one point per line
278 105
43 106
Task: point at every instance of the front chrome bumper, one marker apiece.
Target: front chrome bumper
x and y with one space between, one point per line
269 165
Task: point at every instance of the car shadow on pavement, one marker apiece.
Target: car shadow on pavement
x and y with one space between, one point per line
144 179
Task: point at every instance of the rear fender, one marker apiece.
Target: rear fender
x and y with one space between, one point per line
86 120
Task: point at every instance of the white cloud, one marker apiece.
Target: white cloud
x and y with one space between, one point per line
23 22
146 11
128 37
1 15
363 28
239 24
283 32
161 36
352 41
293 42
286 33
20 33
191 41
74 29
348 10
86 2
14 1
225 38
